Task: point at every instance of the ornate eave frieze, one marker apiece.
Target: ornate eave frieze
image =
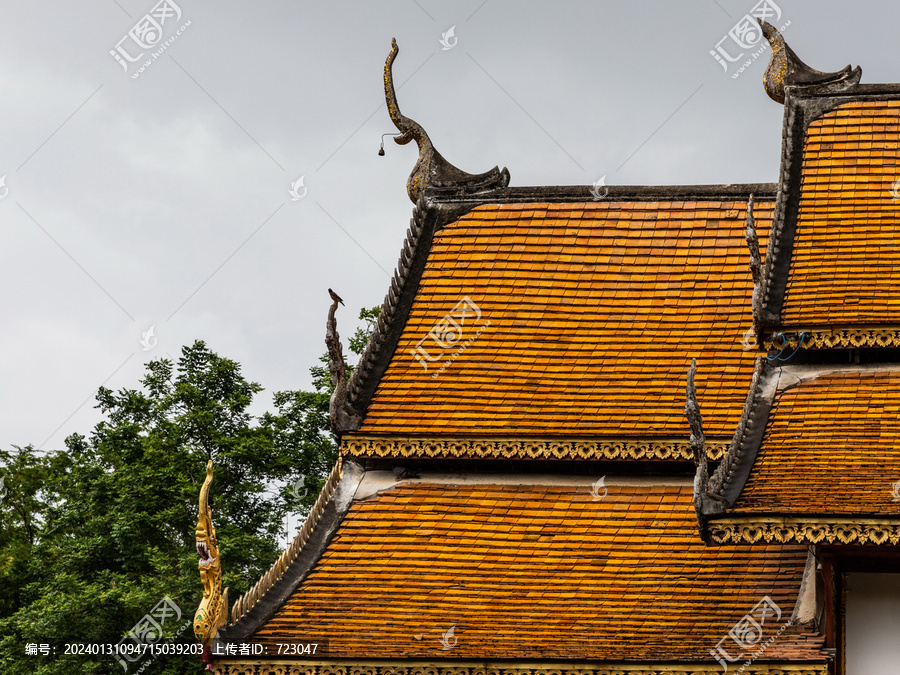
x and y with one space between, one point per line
830 338
805 530
525 448
399 667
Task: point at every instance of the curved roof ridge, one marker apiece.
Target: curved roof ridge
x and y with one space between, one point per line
253 608
351 408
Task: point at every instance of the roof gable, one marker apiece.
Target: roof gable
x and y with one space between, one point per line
816 458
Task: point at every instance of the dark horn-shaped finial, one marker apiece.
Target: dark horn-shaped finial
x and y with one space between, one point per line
698 444
692 411
432 171
786 69
336 365
753 243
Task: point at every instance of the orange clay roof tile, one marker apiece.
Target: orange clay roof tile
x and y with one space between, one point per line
832 445
846 259
536 571
590 315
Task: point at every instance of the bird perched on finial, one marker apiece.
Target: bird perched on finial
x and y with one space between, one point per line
785 68
335 296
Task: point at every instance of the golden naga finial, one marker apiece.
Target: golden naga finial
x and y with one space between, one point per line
213 610
431 169
785 68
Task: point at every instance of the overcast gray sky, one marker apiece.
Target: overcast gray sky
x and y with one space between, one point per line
163 199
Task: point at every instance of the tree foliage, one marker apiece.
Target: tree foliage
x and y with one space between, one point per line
94 536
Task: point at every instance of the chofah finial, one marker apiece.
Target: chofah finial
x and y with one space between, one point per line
432 171
786 69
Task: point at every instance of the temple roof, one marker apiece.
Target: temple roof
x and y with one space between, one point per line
818 459
846 258
559 323
584 316
534 567
832 445
834 259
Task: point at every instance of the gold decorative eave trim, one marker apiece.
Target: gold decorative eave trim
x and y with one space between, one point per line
401 667
831 338
802 530
524 448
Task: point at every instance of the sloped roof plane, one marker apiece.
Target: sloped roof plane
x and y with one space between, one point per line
534 567
817 461
588 313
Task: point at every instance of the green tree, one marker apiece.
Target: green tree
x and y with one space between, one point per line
96 535
22 510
